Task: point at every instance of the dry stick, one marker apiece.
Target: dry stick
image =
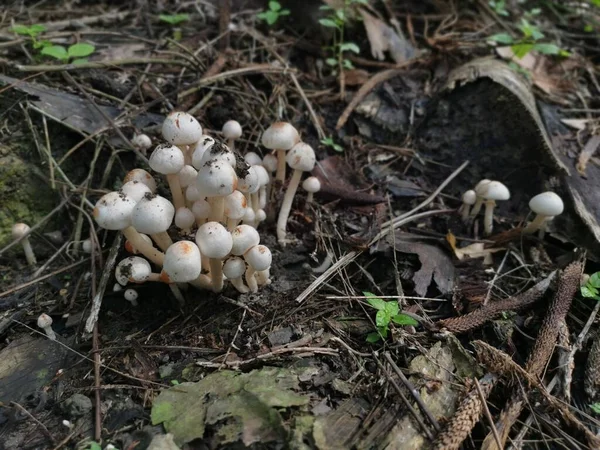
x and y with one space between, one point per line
486 411
489 312
412 410
99 65
543 348
266 356
413 392
37 422
224 19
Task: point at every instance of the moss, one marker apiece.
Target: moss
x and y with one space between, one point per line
24 195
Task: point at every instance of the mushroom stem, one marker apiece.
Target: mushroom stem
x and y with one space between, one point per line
255 201
280 175
309 198
177 294
477 206
251 280
231 144
50 332
465 212
537 224
205 263
232 223
238 283
262 197
216 274
162 239
217 208
143 247
202 282
263 277
286 206
29 255
176 192
488 219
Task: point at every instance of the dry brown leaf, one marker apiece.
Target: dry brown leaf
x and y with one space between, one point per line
384 38
475 250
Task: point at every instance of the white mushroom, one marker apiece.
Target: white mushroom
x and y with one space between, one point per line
301 158
234 269
218 150
153 216
45 323
235 208
259 259
249 218
202 146
469 198
215 242
244 237
545 205
169 160
134 269
259 199
131 295
216 179
181 128
135 190
142 176
260 216
253 159
87 245
185 219
182 262
20 231
311 185
491 193
142 141
479 188
232 130
201 210
281 137
269 162
187 176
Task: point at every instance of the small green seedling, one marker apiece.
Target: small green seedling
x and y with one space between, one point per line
591 288
33 31
174 19
329 142
387 312
272 15
175 382
94 446
76 53
595 407
499 7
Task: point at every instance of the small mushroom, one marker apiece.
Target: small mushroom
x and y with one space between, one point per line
201 209
281 137
492 192
232 130
142 176
87 245
185 220
169 160
131 295
187 176
215 243
235 208
479 188
135 190
244 237
253 159
259 260
183 130
546 205
153 216
469 198
216 179
312 185
269 162
259 199
20 231
45 323
234 269
142 141
202 146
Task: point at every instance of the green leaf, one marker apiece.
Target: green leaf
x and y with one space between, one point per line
347 64
32 31
81 50
350 46
547 49
595 407
392 308
403 319
594 280
331 62
328 23
502 38
373 337
272 17
41 44
95 446
373 300
79 61
174 19
382 318
284 12
588 291
56 51
274 6
520 50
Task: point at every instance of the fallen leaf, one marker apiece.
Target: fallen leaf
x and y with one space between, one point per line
356 77
586 154
384 38
578 124
475 250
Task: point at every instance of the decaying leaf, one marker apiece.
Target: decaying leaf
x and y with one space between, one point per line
241 406
586 154
384 38
475 250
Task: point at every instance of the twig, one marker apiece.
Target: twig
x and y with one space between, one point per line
274 353
486 411
224 19
37 422
232 344
99 65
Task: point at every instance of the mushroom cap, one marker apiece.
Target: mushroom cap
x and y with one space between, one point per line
167 159
250 216
243 238
469 197
113 211
216 178
135 190
181 128
214 240
132 269
232 129
201 209
259 257
19 230
182 262
253 159
260 215
250 183
187 176
44 321
130 295
495 190
280 136
152 214
269 162
218 150
87 246
547 204
235 205
311 184
234 267
202 145
301 157
192 193
184 218
142 141
481 184
263 175
142 176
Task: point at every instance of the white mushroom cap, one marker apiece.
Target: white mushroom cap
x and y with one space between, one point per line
260 215
547 204
180 128
250 183
87 246
216 178
117 287
142 176
214 240
152 215
280 136
234 267
142 141
187 176
269 162
19 230
192 193
244 237
259 257
235 205
184 218
201 209
113 211
495 190
135 190
167 159
44 321
132 269
131 295
218 150
311 184
469 197
232 129
301 157
250 216
203 144
481 184
252 158
182 262
263 175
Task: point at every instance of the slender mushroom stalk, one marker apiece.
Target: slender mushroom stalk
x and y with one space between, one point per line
235 208
232 130
301 158
469 198
479 188
259 199
45 323
546 206
20 231
492 192
169 160
216 179
259 259
153 215
311 185
234 269
215 242
281 137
